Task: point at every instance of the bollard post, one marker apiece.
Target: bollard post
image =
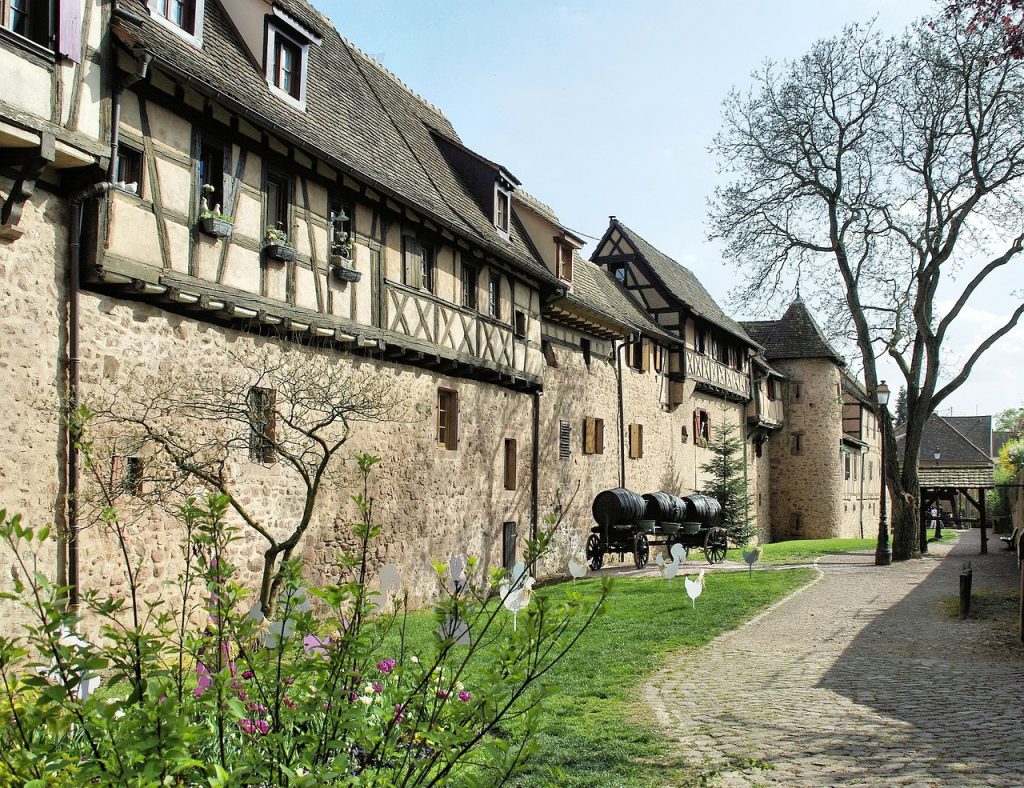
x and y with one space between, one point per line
965 590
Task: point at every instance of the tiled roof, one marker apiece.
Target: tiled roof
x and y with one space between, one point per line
593 288
358 116
853 386
954 448
795 335
977 429
955 477
681 282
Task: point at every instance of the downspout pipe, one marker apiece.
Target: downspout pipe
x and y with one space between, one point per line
622 422
73 358
535 476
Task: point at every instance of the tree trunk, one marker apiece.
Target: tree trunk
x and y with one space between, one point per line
905 519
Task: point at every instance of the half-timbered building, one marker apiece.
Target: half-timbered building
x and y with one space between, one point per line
188 186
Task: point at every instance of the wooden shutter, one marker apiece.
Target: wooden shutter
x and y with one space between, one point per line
589 436
453 420
564 438
270 415
635 441
599 435
645 354
69 30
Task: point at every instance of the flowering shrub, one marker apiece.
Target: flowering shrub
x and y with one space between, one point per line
312 698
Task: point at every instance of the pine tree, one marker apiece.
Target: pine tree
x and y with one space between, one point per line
901 406
726 482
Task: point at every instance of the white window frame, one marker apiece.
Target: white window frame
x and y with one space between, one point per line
196 37
274 30
507 193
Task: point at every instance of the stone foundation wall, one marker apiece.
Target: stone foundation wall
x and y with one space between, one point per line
32 342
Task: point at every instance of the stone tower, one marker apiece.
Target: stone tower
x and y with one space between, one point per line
805 456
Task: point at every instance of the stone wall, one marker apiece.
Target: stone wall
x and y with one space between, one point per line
806 475
32 341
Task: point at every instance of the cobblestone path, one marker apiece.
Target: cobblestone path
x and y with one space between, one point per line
860 679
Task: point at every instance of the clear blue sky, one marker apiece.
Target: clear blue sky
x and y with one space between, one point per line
608 107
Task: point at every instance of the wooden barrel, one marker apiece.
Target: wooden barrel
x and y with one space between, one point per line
703 509
663 507
617 507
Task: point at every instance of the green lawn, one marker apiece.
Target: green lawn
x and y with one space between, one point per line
804 551
595 729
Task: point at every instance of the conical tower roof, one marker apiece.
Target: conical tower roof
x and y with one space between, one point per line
795 335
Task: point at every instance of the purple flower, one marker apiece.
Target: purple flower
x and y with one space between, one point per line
377 687
247 674
314 645
442 694
247 725
259 708
290 703
464 696
352 696
243 695
399 708
203 679
327 705
288 681
263 727
386 666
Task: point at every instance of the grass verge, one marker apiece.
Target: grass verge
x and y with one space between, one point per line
595 729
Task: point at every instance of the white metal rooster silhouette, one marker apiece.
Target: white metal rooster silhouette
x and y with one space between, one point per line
694 587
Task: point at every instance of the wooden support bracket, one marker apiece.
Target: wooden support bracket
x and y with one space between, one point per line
24 186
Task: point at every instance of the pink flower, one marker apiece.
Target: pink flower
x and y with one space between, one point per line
259 708
203 679
288 681
442 694
327 705
263 727
290 703
464 696
399 708
247 674
247 725
243 695
377 687
352 696
386 666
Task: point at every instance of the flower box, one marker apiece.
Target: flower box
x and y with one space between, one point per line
216 226
346 274
278 251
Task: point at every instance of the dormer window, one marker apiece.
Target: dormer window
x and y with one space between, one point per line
179 12
565 262
619 272
286 60
501 208
184 17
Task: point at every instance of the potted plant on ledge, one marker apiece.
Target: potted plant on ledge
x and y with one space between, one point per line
341 258
276 245
211 220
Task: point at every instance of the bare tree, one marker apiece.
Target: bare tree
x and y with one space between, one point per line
205 427
871 171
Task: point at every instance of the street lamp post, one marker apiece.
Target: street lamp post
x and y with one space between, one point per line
883 555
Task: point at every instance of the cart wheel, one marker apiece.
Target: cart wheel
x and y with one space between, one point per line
715 545
595 552
641 551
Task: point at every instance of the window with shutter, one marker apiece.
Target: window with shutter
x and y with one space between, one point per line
134 470
447 419
262 424
701 427
511 450
564 440
593 435
494 296
29 19
636 441
519 326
